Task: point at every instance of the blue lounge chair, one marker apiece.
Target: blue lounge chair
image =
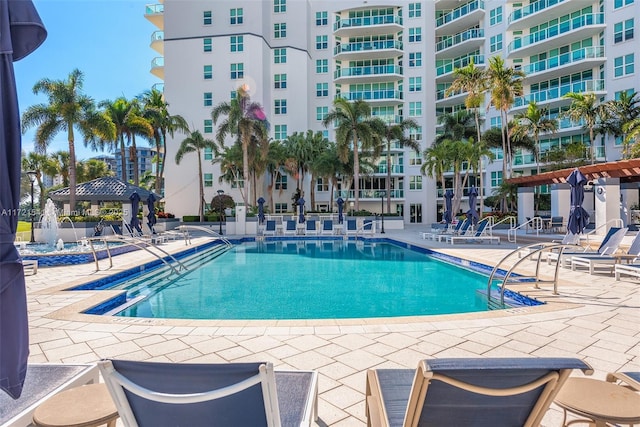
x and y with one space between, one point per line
627 270
311 228
480 235
352 227
447 230
467 392
593 261
462 230
270 228
627 379
235 394
327 227
290 227
609 245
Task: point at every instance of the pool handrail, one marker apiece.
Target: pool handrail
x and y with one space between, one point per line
184 228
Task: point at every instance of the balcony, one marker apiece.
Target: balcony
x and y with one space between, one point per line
157 67
530 16
571 30
155 14
454 99
366 194
564 64
398 169
390 119
457 45
460 18
377 73
370 50
446 70
379 97
157 42
158 86
369 25
556 94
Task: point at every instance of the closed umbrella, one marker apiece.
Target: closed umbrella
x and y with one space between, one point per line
472 213
261 201
448 215
578 217
21 32
135 206
301 204
151 216
340 202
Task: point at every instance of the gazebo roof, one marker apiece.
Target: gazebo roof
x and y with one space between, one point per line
105 189
626 170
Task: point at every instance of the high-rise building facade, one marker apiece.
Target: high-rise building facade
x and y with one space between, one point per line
297 56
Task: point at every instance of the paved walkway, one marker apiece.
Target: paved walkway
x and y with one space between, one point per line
593 317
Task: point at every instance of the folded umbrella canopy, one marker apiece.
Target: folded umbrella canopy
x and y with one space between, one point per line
472 213
578 217
135 206
340 202
21 32
448 215
301 204
261 201
151 216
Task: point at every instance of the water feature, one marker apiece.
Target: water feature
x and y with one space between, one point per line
49 223
73 227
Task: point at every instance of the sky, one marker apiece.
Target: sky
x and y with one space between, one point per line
107 40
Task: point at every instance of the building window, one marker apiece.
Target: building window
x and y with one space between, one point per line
239 183
280 56
208 72
207 17
415 59
237 71
322 184
322 66
495 16
281 182
322 19
208 99
280 30
237 43
496 179
415 84
623 65
415 10
325 133
208 180
415 159
280 81
281 208
280 106
495 43
415 109
279 6
236 16
207 45
321 113
208 153
208 126
415 34
280 132
322 89
623 31
620 3
496 122
415 182
322 42
415 134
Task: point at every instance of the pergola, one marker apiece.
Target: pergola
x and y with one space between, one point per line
626 170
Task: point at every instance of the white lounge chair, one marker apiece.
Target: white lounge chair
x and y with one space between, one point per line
290 227
446 230
478 237
608 261
327 227
609 245
311 228
462 230
627 270
30 266
269 228
352 227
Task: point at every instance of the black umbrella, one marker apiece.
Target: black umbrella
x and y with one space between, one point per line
135 206
578 217
472 213
340 202
301 204
261 201
21 32
448 215
151 216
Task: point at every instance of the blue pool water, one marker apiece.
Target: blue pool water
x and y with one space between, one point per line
311 280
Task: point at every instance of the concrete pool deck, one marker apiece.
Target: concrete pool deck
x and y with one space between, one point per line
593 318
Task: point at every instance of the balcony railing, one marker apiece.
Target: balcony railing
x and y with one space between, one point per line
154 9
371 95
564 59
157 36
367 71
474 33
367 21
531 9
367 46
394 169
441 94
559 91
465 191
451 64
556 30
389 119
524 159
157 62
459 11
367 194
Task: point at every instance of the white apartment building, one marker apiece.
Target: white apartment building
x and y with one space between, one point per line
297 56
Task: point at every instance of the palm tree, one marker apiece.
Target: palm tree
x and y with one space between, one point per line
353 131
37 163
456 125
632 130
533 122
92 169
437 161
329 166
196 143
243 119
621 111
505 83
68 109
586 107
275 161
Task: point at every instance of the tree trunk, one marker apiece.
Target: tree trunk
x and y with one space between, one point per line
164 155
480 168
356 173
123 159
133 154
245 169
158 162
72 170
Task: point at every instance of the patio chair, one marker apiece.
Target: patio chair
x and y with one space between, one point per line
30 266
352 227
609 245
627 270
467 392
556 224
327 227
231 394
310 227
462 230
433 235
608 261
627 379
479 236
290 227
269 228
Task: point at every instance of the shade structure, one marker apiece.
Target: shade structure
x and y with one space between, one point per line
261 201
448 214
472 213
301 210
151 216
340 203
578 217
135 205
21 32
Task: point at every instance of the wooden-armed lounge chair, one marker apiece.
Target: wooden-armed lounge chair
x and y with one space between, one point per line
627 379
471 392
198 395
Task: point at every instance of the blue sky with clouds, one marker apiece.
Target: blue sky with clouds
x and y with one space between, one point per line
107 40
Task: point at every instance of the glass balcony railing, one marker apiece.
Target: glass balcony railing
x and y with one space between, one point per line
524 159
474 33
565 123
367 194
459 12
558 29
532 8
154 9
465 191
441 94
157 62
450 65
367 21
367 71
394 169
559 91
371 95
367 46
389 119
157 36
564 59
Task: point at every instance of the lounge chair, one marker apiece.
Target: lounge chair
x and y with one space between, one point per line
462 230
30 266
232 394
467 392
290 227
568 239
269 228
352 227
627 270
609 245
556 224
447 230
479 236
310 228
367 227
627 379
608 261
327 227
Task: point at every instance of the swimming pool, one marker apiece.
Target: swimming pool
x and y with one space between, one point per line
305 279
